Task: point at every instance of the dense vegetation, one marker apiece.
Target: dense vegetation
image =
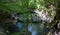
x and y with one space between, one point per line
26 8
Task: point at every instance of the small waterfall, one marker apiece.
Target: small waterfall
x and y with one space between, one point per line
44 16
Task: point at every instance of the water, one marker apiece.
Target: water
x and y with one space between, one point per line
32 30
31 27
19 24
44 16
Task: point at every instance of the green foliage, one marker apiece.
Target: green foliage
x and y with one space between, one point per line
13 5
16 33
20 5
23 6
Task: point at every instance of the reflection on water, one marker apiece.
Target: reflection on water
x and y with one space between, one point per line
33 32
35 29
19 24
31 29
